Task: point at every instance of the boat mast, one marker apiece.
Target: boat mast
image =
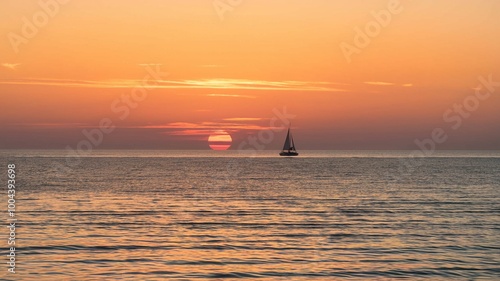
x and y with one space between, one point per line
292 144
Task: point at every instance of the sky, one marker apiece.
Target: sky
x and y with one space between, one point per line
154 74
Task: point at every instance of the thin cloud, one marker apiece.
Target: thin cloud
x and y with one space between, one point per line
60 82
231 96
206 126
244 119
52 125
188 133
228 124
203 128
11 66
252 85
379 83
211 66
237 84
150 64
225 84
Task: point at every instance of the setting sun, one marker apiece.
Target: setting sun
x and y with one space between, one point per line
220 140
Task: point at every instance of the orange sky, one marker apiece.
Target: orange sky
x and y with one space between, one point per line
229 70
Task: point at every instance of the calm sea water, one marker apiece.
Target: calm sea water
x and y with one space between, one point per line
136 215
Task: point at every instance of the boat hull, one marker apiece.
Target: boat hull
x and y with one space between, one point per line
287 153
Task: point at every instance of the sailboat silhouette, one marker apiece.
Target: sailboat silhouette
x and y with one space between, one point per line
289 146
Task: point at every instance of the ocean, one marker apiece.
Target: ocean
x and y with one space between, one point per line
207 215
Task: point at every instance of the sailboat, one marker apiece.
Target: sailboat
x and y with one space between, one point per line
289 146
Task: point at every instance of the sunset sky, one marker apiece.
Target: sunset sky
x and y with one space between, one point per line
67 65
